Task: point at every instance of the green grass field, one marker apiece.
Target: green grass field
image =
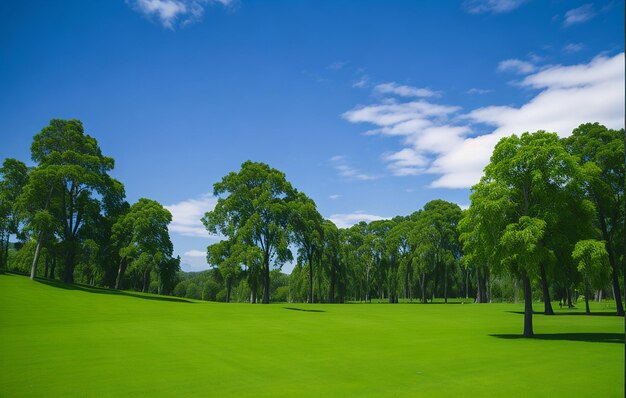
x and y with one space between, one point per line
57 340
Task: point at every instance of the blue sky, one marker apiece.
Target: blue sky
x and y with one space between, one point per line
372 108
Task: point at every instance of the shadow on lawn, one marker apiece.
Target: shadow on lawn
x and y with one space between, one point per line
302 309
103 290
601 313
587 337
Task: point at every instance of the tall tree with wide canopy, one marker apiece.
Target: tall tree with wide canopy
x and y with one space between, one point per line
13 178
535 170
254 208
601 153
141 236
78 173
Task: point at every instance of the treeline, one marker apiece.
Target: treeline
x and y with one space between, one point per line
72 222
547 218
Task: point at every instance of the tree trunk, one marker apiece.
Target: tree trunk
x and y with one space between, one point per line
5 260
145 278
228 285
331 293
33 269
569 298
445 285
423 281
120 273
310 279
587 292
266 278
68 275
515 290
546 291
53 267
479 288
613 263
528 307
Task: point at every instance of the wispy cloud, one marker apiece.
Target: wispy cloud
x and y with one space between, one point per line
571 48
479 91
337 65
348 220
334 197
186 216
438 139
491 6
340 163
362 82
404 91
579 15
173 13
517 66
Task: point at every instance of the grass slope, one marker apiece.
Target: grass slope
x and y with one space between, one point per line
60 341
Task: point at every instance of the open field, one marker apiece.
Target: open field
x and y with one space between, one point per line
58 340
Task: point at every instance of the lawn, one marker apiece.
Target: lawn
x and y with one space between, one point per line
57 340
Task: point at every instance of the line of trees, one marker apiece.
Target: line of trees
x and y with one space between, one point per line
547 217
68 213
542 205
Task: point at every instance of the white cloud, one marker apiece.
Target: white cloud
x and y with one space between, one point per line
170 13
340 164
348 220
517 66
334 197
195 253
579 15
571 95
186 216
404 91
439 140
491 6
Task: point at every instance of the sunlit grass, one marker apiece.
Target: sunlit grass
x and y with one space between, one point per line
56 341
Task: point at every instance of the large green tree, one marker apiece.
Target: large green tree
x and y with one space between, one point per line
142 240
77 173
255 208
600 151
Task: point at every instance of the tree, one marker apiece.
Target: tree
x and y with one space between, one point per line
307 233
77 173
142 239
601 153
228 257
522 255
254 209
13 178
435 237
593 264
536 170
331 250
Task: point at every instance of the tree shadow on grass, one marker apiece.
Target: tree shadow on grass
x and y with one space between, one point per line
601 313
302 309
104 290
586 337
